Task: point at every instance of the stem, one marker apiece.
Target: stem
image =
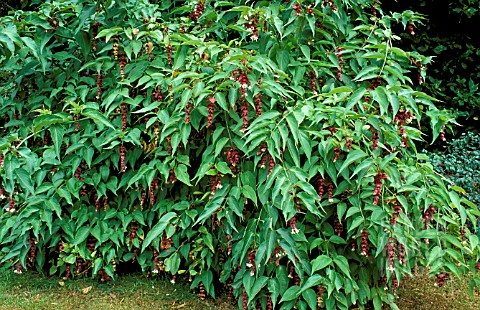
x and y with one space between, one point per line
28 137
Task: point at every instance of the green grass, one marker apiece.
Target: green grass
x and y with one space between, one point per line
420 293
33 291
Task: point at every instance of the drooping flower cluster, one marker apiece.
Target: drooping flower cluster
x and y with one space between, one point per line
133 234
375 139
364 242
337 225
169 49
244 113
99 84
401 255
252 25
123 106
122 62
244 299
320 189
172 178
94 34
149 50
397 209
338 51
233 158
297 8
330 190
251 263
11 206
153 187
210 109
378 180
391 251
197 12
293 225
313 81
123 168
428 215
188 110
441 278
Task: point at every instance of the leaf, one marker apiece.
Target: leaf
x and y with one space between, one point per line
222 100
356 96
434 254
257 286
97 117
24 179
53 205
456 203
290 294
81 235
274 289
352 156
158 229
182 174
320 262
210 208
341 89
310 297
342 263
57 133
380 96
366 71
86 290
249 193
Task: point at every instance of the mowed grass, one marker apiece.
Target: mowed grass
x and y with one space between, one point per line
420 293
33 291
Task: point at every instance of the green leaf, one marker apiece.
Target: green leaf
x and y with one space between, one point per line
291 293
24 179
356 96
457 204
182 174
81 235
257 286
320 262
310 297
274 289
341 89
158 229
342 263
249 193
222 100
53 205
380 95
352 156
97 117
366 71
57 133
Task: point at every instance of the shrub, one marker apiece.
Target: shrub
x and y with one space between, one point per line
460 162
267 146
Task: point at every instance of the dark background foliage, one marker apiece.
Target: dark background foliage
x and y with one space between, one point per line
450 33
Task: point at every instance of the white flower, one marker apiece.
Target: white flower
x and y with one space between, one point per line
295 231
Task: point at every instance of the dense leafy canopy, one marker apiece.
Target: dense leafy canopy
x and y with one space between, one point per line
269 146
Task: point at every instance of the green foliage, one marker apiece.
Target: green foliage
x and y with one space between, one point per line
269 146
461 163
454 47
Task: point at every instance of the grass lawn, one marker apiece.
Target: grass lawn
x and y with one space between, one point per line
31 291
